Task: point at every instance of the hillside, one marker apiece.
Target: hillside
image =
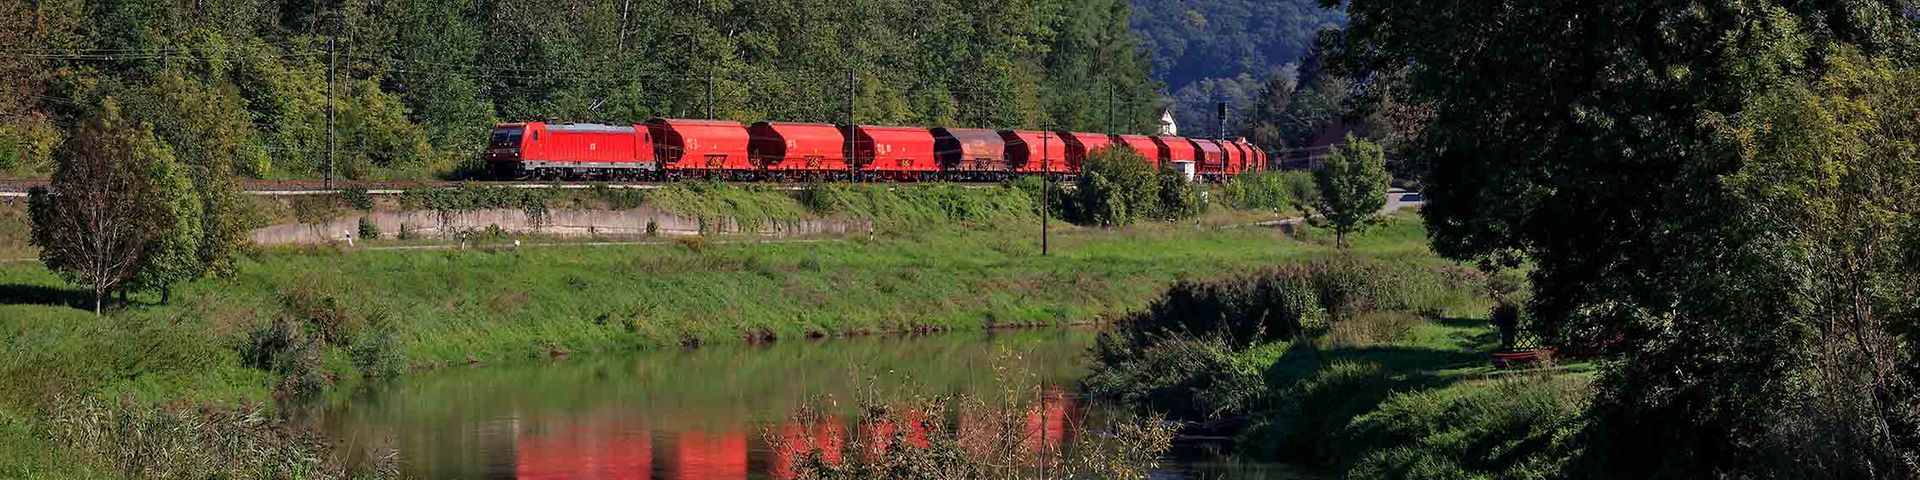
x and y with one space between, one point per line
1224 50
244 83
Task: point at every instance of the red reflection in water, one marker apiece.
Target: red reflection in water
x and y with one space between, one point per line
827 436
585 452
879 435
620 450
1047 423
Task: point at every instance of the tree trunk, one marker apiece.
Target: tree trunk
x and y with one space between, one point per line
99 298
166 295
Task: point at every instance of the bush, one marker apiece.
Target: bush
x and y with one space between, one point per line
1515 427
1186 343
357 197
1181 377
143 441
376 354
369 230
1115 187
1178 198
280 347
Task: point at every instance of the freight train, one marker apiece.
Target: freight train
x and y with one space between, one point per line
668 149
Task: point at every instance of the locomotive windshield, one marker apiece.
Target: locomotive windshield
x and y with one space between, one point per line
505 138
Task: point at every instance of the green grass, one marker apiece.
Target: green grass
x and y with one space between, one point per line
944 258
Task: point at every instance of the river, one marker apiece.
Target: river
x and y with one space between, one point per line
705 413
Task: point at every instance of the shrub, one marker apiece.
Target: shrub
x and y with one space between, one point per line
1259 191
407 232
653 228
1181 377
1514 427
280 347
1115 188
357 197
321 313
247 441
1178 198
369 230
377 352
693 244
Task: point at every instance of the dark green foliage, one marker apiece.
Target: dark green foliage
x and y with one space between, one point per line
1523 426
419 82
1176 197
1352 183
120 214
357 197
1117 187
283 348
1691 207
376 354
1185 355
368 229
1226 38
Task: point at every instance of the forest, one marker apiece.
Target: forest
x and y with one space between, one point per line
1226 51
415 84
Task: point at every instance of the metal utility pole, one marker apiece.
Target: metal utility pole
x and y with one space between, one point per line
853 154
332 65
1046 186
1110 98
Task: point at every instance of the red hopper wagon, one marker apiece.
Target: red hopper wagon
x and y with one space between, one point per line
700 147
971 153
1145 146
798 149
894 153
1082 145
1209 159
1031 151
1177 149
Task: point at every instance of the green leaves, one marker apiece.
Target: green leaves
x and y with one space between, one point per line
1353 183
1697 186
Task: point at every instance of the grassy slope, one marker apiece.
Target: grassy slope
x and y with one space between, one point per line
500 304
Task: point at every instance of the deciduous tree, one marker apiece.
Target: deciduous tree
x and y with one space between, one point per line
108 212
1353 183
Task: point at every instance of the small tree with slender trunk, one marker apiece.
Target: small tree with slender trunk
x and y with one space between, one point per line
1353 183
102 216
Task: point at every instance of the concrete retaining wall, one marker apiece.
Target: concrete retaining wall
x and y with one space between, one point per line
561 223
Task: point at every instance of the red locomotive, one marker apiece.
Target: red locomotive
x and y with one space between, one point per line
666 148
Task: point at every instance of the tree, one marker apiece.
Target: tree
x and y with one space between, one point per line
175 254
112 212
1353 183
1115 188
1831 166
1586 139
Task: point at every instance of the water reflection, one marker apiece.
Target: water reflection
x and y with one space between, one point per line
718 412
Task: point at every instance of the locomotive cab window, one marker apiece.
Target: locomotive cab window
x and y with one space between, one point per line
506 138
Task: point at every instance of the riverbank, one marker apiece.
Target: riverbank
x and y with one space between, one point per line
320 321
1359 366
